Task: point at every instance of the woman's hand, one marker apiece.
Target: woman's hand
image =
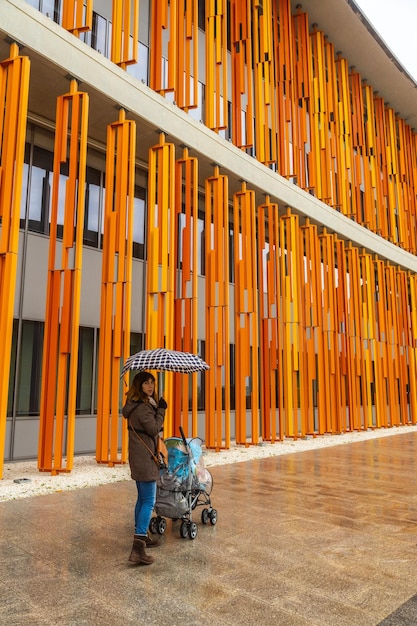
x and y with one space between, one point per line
162 404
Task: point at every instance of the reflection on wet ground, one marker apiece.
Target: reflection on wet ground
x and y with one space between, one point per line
326 537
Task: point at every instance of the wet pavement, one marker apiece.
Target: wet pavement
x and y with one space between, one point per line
326 537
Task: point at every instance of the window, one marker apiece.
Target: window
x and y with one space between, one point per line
140 69
93 198
139 223
24 195
52 9
198 112
29 368
63 179
38 179
12 369
99 35
202 14
201 379
85 373
137 342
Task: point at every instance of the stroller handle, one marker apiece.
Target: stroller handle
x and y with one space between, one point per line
183 437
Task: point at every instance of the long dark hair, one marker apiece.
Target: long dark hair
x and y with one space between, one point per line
135 392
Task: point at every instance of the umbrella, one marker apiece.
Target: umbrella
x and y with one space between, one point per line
165 360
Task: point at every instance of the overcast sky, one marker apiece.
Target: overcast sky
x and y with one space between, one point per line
396 22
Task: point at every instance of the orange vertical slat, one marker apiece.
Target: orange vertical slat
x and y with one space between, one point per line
242 75
216 65
116 288
246 315
217 312
14 90
186 289
125 32
77 16
60 356
161 268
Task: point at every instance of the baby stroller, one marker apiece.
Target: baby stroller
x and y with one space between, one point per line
182 486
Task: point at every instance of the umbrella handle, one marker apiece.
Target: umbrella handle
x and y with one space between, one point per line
183 437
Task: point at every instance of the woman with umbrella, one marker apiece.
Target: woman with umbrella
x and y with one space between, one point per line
145 415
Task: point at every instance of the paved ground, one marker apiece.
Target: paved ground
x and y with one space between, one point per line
326 537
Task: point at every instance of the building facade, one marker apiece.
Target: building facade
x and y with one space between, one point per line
235 179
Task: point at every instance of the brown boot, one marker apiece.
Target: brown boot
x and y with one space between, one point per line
138 554
152 543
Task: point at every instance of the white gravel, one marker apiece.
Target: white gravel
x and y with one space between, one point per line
23 480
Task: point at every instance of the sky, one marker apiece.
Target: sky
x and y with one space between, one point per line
395 21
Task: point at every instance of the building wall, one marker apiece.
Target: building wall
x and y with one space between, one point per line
312 344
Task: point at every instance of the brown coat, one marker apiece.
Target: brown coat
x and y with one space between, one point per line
147 419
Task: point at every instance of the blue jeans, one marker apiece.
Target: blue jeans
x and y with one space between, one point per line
144 506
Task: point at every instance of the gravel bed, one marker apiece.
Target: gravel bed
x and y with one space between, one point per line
22 479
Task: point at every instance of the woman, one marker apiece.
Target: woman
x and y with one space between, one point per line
145 415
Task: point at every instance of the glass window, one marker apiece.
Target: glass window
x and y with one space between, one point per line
202 14
29 368
98 38
92 206
139 223
198 113
99 34
137 342
23 197
85 373
86 36
12 369
39 190
232 356
52 9
63 178
181 226
201 242
140 69
201 379
231 253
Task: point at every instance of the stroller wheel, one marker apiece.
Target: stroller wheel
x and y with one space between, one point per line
205 515
153 525
184 529
213 517
193 529
162 524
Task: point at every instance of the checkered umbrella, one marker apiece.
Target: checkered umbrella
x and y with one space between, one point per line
165 360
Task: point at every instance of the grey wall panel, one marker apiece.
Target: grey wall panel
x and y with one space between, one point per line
91 288
35 276
26 439
138 296
85 434
7 448
17 297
